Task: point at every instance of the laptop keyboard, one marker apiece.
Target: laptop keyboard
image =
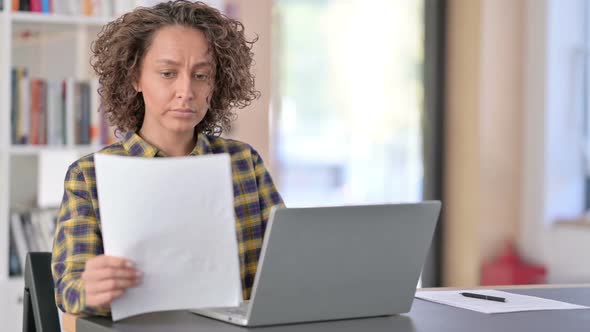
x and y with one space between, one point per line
241 311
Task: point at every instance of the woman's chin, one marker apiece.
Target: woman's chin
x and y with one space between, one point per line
182 130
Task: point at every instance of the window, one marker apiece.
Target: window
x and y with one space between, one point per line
349 100
585 96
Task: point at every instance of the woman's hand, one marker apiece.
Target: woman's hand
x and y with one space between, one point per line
106 278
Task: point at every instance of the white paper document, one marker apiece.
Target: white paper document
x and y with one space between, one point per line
174 218
514 302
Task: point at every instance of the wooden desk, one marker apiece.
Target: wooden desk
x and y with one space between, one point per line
578 294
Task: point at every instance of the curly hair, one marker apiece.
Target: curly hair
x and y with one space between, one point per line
121 45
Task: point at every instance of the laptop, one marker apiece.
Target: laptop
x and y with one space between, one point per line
329 263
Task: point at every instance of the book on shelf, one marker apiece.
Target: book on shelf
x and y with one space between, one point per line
97 8
100 8
31 230
43 110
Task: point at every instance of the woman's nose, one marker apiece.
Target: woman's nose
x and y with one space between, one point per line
184 88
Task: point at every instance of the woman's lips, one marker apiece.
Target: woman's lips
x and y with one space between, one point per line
183 113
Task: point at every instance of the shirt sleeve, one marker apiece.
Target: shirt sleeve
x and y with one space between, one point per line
267 192
77 239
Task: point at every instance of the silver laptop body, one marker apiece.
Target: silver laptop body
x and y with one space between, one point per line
329 263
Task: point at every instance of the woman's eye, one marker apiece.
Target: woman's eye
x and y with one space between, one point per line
167 74
202 77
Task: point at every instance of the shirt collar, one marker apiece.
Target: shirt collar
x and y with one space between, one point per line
138 147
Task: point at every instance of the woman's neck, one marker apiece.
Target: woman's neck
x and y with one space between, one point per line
172 144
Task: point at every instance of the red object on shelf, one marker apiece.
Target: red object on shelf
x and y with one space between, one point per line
509 269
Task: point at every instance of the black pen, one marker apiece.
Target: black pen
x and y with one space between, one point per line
484 297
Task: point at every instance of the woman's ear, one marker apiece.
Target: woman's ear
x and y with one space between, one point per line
136 87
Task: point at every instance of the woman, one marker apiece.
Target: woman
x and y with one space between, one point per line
170 77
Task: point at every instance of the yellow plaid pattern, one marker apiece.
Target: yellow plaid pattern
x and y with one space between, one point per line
78 233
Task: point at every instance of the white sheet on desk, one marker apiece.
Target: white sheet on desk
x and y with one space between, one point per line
174 218
514 302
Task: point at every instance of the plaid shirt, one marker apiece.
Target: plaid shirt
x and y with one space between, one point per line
78 235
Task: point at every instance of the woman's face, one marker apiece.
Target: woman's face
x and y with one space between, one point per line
176 81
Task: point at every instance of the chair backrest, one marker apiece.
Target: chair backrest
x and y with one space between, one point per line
39 309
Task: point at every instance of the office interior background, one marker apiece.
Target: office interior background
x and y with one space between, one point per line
483 104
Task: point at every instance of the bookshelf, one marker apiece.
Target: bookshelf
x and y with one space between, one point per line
29 150
57 19
51 47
